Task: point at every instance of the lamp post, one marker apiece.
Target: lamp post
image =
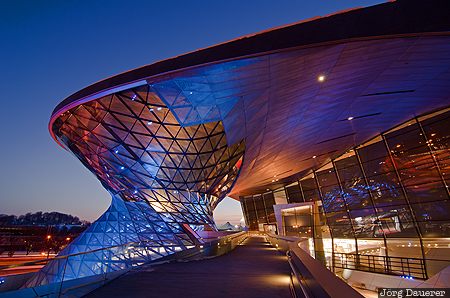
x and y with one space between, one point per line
48 245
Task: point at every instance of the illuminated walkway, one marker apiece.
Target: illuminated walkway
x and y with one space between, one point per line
253 269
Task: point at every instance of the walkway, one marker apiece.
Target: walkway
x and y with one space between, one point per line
253 269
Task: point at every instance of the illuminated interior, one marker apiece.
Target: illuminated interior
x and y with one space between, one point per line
387 197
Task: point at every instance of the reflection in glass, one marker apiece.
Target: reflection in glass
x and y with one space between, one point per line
390 194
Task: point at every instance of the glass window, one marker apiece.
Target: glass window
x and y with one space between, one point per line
406 138
309 188
397 221
280 196
371 247
437 254
381 166
366 224
294 193
438 135
434 191
373 151
405 248
349 171
327 177
260 209
432 218
269 201
297 221
340 224
332 199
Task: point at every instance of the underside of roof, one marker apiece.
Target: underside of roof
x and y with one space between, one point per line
303 94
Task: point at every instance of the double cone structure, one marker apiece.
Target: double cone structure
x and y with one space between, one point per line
302 113
166 173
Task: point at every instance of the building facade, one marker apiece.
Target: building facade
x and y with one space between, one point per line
388 197
345 116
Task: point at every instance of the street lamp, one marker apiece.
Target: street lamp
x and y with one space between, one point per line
48 245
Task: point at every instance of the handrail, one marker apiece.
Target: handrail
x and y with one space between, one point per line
404 266
46 260
214 247
313 277
140 243
298 276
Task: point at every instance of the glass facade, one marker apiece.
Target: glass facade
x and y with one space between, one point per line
136 146
298 221
258 210
388 197
165 166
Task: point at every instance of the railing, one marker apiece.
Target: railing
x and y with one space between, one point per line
407 267
108 264
298 287
309 278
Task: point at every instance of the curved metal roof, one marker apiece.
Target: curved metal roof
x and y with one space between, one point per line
382 65
391 18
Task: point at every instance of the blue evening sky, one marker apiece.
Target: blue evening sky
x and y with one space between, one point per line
50 49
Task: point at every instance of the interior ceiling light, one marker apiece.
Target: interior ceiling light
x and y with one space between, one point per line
314 156
350 118
321 78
